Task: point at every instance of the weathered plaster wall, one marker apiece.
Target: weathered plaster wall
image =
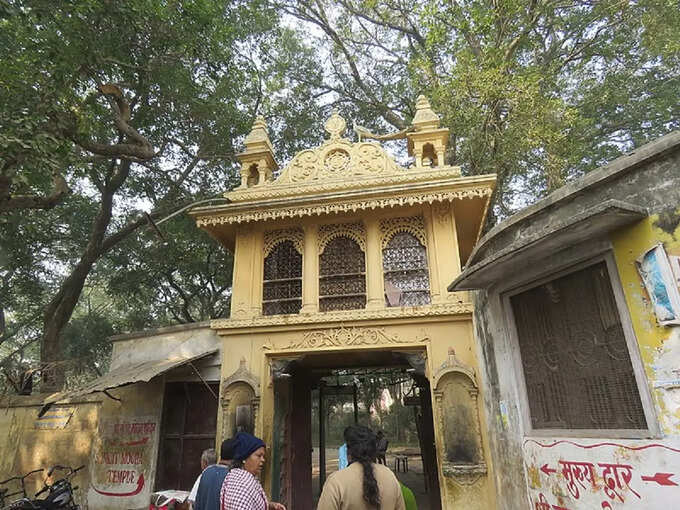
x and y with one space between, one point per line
116 441
558 471
64 436
174 341
659 345
125 448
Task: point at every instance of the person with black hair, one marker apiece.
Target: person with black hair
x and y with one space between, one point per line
363 485
210 485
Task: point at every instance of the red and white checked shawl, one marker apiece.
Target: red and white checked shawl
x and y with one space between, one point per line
242 491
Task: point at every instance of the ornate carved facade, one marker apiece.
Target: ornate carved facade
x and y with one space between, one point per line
343 260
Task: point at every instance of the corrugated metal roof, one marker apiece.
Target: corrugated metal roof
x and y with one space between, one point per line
128 374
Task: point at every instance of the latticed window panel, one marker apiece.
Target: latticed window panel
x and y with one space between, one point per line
576 362
342 279
282 307
407 281
282 285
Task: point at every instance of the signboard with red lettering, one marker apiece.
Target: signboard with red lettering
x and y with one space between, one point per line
610 474
121 463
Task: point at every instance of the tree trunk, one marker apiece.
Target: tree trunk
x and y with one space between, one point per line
59 310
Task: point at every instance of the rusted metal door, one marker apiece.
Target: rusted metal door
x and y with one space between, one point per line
189 426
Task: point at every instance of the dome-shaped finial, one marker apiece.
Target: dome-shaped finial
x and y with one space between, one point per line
257 161
422 103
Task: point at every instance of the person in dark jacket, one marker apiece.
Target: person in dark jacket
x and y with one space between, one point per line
382 447
208 494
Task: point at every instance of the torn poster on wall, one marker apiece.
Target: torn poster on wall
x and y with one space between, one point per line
613 475
657 275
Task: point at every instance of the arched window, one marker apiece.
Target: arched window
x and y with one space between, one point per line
342 275
282 286
407 282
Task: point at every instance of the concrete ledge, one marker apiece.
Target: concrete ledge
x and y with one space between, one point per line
594 222
159 331
614 170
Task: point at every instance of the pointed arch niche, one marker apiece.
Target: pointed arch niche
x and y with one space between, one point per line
240 401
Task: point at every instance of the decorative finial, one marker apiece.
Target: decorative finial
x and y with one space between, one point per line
258 134
425 117
257 161
422 103
335 125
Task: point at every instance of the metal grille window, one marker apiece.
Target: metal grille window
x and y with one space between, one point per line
282 286
342 278
576 363
407 282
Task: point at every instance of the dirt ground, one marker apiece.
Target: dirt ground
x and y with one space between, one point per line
413 479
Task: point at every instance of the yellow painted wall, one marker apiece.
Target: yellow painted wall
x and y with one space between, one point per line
435 329
659 345
26 446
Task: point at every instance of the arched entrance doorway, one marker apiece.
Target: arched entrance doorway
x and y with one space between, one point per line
304 446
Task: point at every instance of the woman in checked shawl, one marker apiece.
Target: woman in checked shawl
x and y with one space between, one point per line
241 489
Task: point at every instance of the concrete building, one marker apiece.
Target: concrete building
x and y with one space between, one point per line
577 315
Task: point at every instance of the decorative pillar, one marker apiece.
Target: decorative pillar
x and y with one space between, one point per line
446 242
375 284
310 270
242 285
432 257
440 156
257 274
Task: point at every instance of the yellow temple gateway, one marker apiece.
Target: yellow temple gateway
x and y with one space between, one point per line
341 261
341 266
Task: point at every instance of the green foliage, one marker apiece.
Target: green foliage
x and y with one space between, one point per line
395 419
129 106
186 278
109 108
537 92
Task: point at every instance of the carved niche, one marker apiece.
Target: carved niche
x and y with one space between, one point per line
455 392
240 401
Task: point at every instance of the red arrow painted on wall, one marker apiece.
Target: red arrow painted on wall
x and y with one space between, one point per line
547 470
144 440
660 478
134 492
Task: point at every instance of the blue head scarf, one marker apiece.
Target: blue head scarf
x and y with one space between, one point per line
246 444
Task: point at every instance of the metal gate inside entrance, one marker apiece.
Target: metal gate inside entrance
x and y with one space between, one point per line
303 387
